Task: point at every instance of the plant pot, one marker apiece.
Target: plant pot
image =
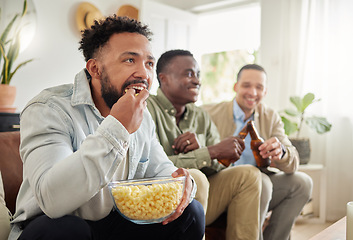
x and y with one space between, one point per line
7 98
303 147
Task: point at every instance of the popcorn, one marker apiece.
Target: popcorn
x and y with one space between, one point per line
147 202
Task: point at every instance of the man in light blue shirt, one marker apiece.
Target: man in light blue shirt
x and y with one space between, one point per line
284 193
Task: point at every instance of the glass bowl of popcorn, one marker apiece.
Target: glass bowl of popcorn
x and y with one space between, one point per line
147 200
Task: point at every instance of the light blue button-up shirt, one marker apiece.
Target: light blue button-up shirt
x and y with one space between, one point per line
247 156
70 153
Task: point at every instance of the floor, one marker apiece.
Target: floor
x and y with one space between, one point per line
305 228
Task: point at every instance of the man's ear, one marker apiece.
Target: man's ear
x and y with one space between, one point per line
93 68
163 79
235 88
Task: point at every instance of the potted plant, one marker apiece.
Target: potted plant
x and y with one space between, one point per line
9 50
294 119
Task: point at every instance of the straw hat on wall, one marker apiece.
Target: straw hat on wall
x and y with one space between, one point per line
129 11
86 14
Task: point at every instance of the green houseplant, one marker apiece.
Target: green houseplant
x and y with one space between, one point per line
294 119
9 51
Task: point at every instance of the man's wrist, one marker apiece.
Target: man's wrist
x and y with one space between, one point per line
284 151
212 151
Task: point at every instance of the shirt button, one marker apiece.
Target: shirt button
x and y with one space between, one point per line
125 145
166 110
204 163
172 111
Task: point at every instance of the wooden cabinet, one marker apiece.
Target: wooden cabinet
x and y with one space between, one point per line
9 122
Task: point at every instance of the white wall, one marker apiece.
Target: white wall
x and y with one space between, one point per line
230 29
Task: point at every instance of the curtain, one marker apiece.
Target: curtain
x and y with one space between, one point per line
307 46
326 69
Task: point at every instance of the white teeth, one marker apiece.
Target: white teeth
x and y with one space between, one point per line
138 88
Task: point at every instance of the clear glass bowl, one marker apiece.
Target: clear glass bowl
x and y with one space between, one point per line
148 200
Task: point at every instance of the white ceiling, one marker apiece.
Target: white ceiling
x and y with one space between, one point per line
201 6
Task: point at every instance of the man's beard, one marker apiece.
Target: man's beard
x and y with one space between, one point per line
109 93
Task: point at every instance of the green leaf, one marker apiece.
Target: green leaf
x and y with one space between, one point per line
291 112
319 124
18 67
289 126
4 73
13 51
24 11
297 102
2 48
307 100
8 28
6 33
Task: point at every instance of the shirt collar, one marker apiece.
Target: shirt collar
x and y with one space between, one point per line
167 106
81 89
238 113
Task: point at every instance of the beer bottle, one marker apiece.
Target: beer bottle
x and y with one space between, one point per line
242 134
256 141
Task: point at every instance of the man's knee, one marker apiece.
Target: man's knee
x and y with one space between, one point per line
203 186
196 209
67 227
267 188
250 173
304 184
196 216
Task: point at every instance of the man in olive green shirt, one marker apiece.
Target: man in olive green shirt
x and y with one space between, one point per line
191 140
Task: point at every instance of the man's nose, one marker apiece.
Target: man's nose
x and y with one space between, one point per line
196 80
253 91
141 72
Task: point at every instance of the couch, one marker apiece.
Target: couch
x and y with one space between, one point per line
11 171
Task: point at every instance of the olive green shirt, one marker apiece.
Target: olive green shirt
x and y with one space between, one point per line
194 120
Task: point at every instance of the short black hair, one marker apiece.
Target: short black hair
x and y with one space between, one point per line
166 57
98 34
250 66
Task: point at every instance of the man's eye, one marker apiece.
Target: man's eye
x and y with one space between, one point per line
151 64
129 60
190 74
